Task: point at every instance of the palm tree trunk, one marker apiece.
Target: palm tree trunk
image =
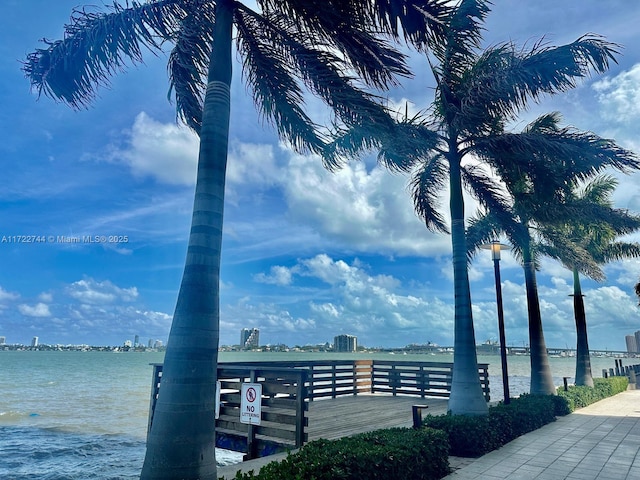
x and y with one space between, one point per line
181 442
466 391
541 378
583 360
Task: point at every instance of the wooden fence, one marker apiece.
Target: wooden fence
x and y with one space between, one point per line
287 387
284 404
334 378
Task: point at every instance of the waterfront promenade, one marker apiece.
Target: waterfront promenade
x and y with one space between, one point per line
599 442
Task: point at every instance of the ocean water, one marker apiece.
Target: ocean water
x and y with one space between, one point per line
83 415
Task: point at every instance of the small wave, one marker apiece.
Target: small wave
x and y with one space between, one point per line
49 454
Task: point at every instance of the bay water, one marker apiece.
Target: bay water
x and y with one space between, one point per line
74 415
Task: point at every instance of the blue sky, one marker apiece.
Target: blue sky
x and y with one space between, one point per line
307 254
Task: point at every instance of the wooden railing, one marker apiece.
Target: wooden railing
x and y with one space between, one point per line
334 378
287 388
284 406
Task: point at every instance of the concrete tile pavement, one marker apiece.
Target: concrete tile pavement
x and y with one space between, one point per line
598 442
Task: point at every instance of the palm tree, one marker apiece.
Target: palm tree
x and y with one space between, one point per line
596 234
477 92
538 187
287 44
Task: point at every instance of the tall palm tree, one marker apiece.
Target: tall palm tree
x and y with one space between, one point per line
284 44
538 186
596 234
476 93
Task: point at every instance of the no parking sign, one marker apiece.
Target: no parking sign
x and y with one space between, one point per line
251 403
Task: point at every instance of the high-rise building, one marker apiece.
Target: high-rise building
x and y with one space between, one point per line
136 341
637 336
345 343
34 342
249 338
632 345
3 340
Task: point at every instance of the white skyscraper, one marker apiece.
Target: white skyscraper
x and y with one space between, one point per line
34 342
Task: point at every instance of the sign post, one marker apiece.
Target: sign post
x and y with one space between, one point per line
251 403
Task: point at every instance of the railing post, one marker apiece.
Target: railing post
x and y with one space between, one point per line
300 408
333 380
251 432
355 377
372 368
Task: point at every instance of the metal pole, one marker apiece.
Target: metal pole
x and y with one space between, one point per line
503 344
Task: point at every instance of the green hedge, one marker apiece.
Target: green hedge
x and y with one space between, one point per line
580 396
397 453
472 436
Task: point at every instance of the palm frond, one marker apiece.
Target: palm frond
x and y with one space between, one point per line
349 28
558 155
319 69
464 32
571 254
423 23
502 81
599 190
188 64
482 229
96 45
275 89
408 143
619 251
425 186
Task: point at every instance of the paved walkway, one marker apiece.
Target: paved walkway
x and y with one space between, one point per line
599 442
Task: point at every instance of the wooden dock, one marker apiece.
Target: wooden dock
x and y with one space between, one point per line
348 415
344 416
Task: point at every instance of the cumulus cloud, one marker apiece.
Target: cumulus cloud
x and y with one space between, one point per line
364 207
373 306
164 151
619 96
7 296
367 209
37 310
278 276
45 297
90 291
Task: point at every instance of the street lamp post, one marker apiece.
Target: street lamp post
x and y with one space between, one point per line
495 248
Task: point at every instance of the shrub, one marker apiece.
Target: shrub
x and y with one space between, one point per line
472 436
397 453
581 396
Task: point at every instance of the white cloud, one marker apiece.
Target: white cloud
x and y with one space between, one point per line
164 151
45 297
371 306
37 310
278 276
619 96
369 210
7 296
89 291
